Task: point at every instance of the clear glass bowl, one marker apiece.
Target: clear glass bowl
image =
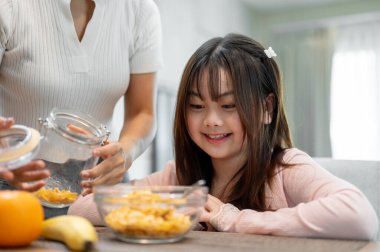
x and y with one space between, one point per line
150 214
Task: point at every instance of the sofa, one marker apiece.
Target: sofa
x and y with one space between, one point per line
363 174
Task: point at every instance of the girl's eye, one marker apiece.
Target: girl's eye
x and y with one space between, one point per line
196 106
228 106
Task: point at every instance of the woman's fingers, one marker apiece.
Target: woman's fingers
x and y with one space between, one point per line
86 191
33 165
6 123
31 187
110 171
114 176
33 171
106 166
5 174
107 151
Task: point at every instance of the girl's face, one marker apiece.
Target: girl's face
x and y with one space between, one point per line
215 126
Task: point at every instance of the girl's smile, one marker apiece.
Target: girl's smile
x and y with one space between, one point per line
216 138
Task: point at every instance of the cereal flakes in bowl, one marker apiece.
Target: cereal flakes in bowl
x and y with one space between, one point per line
150 214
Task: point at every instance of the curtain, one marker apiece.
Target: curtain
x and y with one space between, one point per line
355 117
305 59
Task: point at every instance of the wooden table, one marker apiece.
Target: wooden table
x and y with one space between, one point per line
216 241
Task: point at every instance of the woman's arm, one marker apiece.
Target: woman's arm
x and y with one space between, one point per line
137 133
139 121
139 125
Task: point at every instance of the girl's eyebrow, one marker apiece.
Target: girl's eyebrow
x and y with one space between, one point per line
226 93
194 93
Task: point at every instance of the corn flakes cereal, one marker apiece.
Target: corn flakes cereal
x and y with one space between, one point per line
56 195
140 219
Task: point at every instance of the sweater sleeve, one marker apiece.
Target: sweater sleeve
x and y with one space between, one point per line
147 38
86 206
6 13
167 176
320 205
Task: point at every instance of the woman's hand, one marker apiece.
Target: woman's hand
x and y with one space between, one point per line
110 171
6 123
21 177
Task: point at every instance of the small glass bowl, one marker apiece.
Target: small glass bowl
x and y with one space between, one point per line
150 214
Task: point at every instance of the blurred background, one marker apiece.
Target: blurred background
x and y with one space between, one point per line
329 54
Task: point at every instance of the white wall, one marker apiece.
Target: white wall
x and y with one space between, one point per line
186 24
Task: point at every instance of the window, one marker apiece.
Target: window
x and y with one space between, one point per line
355 92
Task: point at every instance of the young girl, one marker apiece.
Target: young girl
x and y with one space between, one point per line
230 129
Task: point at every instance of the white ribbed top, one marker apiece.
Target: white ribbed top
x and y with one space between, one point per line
44 65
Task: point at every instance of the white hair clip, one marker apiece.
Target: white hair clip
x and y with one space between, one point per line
270 53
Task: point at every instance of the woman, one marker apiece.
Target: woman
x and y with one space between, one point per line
84 55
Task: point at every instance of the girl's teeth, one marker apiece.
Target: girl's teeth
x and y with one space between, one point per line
216 136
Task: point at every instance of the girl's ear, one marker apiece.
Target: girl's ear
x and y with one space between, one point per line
268 108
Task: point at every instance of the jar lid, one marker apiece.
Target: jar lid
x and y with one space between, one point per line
18 146
77 126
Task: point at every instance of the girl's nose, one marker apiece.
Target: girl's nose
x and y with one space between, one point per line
213 119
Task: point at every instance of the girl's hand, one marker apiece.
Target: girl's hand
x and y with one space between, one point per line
212 208
20 178
111 171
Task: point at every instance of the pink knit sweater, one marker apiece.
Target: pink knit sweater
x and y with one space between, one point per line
308 201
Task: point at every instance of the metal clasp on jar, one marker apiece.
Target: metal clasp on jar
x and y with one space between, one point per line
44 125
107 135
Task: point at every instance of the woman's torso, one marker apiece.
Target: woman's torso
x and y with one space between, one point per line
45 65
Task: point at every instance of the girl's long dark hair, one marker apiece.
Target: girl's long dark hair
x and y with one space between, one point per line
253 77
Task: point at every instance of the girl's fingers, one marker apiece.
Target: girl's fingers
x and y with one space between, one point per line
205 216
213 204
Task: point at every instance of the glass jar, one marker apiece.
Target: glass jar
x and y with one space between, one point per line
18 146
68 139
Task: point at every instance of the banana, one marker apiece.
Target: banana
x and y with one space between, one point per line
76 232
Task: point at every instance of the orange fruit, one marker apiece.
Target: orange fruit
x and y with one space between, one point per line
21 218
